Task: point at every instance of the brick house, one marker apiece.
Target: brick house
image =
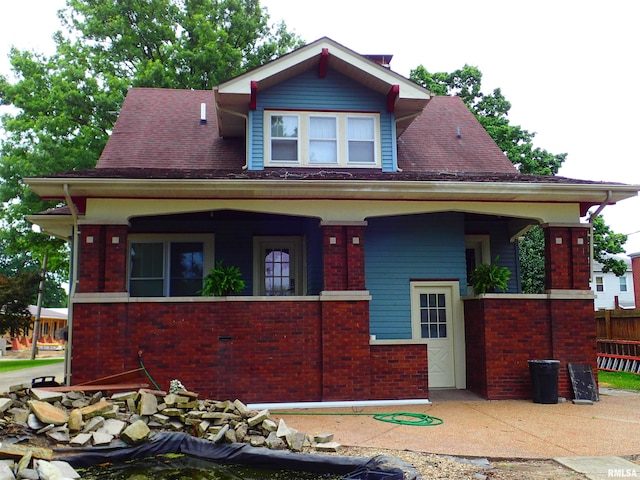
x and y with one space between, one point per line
355 205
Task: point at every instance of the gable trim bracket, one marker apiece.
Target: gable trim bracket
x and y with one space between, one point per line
324 61
392 96
253 100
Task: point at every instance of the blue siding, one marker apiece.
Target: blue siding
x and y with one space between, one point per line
399 249
234 243
335 92
255 132
500 246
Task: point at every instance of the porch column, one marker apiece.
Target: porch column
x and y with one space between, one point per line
115 268
567 257
90 259
102 262
343 256
346 354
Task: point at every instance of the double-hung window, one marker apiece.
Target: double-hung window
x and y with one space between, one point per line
168 266
323 140
361 140
317 139
623 284
284 138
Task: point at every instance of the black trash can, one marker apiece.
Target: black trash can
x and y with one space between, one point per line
544 380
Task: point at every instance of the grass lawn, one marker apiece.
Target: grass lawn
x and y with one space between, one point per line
9 365
622 380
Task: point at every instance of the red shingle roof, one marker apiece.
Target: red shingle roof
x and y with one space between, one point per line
448 138
160 129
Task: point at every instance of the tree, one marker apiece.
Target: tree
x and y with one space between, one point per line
532 271
16 294
492 112
64 106
606 243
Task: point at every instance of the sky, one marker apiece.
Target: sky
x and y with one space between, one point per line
569 68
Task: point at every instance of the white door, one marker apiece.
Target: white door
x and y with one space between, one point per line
434 318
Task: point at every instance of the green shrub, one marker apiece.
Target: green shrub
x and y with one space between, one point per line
223 281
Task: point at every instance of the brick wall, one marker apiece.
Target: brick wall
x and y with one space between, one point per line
503 334
399 371
346 369
255 351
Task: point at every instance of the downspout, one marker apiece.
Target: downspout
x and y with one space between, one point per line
246 130
72 284
591 218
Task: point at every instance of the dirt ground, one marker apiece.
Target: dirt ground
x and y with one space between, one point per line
441 467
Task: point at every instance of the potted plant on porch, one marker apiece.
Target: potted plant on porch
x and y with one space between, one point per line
490 278
223 280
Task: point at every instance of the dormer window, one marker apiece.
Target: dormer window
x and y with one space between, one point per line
284 138
313 139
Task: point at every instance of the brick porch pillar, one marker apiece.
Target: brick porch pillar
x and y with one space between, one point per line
567 255
346 354
115 265
635 267
343 256
571 312
102 263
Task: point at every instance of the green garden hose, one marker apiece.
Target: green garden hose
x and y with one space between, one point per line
398 418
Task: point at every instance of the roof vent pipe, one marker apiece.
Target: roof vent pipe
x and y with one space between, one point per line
203 113
458 134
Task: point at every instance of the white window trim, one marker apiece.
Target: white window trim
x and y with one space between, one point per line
304 139
208 251
622 281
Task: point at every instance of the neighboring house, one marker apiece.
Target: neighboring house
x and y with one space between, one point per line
51 320
355 204
613 291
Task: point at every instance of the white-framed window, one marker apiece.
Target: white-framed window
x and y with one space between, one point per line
623 284
315 139
323 139
278 266
360 140
168 265
285 131
599 284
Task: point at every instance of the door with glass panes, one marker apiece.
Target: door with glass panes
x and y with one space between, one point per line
433 318
279 266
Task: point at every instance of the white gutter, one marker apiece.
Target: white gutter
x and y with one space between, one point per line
341 404
72 284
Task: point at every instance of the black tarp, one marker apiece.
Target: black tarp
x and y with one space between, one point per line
242 454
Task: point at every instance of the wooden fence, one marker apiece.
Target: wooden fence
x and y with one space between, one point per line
618 340
618 324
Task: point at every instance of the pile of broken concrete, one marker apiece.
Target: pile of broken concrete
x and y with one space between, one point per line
33 422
